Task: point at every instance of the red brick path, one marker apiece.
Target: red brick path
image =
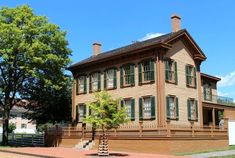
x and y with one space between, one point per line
60 152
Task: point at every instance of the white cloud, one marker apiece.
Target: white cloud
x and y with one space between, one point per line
150 35
227 80
220 93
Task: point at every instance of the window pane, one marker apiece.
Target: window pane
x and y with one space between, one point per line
172 107
81 111
146 68
128 107
81 84
95 81
192 109
147 108
110 78
127 74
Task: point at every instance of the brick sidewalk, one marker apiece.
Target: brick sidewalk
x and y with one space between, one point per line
59 152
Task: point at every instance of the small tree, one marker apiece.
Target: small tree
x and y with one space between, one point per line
106 114
11 127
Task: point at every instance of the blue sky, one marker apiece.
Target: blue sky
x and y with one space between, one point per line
118 23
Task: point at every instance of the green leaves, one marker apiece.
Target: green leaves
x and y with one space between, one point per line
106 112
33 53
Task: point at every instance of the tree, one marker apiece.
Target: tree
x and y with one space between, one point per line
11 127
32 52
106 114
52 105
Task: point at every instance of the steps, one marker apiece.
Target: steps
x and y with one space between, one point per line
85 145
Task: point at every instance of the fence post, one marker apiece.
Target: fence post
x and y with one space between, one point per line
193 132
168 129
212 134
69 130
140 129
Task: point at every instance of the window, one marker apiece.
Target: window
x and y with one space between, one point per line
130 107
81 85
127 74
207 91
172 107
146 71
110 81
24 116
192 110
80 112
23 125
147 107
191 79
171 71
13 116
94 82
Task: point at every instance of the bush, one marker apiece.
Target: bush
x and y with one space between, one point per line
11 127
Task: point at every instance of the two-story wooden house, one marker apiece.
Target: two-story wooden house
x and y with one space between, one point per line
161 84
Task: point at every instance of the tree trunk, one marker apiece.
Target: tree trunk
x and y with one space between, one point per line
103 145
93 134
6 114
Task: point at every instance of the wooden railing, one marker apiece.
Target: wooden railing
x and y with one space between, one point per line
144 131
218 99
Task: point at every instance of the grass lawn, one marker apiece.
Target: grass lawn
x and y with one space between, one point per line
232 147
231 156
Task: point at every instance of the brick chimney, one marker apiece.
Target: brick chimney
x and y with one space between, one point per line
96 48
175 20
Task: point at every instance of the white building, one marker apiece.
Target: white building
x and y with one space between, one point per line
18 117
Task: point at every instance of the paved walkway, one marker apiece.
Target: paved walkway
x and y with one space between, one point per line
214 154
60 152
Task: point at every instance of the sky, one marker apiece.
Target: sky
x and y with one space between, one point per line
116 23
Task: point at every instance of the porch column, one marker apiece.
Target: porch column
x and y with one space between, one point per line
73 99
161 108
200 106
213 117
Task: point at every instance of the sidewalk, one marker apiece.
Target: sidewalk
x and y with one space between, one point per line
59 152
214 154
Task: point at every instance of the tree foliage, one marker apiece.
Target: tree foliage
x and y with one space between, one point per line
33 52
52 105
105 112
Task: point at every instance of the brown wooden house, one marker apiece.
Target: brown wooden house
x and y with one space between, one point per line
169 101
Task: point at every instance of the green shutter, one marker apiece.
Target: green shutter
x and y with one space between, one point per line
122 103
210 93
85 86
177 108
132 67
195 77
76 115
166 70
99 82
204 91
189 109
187 74
90 85
115 78
176 73
152 77
140 108
168 108
121 77
153 107
77 86
84 108
140 72
196 106
132 109
89 111
105 80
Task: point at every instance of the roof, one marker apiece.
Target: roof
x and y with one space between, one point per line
132 47
210 77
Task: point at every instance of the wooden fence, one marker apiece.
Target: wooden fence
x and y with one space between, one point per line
143 131
26 139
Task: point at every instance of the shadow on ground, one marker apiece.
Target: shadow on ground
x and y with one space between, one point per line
110 154
26 154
